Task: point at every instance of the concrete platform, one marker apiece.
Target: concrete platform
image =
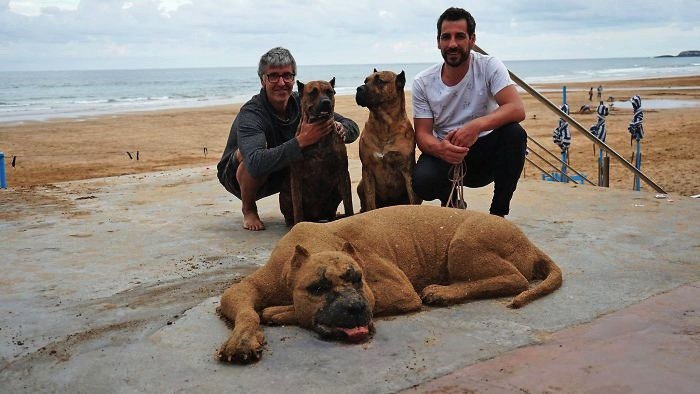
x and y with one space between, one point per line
110 285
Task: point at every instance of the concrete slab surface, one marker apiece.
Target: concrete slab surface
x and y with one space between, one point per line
111 285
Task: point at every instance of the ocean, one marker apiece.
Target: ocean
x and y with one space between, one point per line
43 95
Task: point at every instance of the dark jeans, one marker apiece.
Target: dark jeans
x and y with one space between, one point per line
498 157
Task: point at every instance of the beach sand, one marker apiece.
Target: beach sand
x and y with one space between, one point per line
70 149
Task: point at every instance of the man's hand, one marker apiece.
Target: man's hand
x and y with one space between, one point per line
450 153
311 133
340 130
464 136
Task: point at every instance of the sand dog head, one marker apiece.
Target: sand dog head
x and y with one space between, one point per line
330 293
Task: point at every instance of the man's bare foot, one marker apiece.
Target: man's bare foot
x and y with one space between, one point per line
252 222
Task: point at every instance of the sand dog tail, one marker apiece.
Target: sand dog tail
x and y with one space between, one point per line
544 269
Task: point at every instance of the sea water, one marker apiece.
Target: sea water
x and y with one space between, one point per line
42 95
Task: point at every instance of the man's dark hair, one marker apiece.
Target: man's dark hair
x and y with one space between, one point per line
456 14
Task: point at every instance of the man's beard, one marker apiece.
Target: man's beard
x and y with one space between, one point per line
456 63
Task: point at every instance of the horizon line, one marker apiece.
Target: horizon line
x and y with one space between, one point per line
317 65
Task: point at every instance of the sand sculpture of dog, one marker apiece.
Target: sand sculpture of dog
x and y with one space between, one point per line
387 143
333 277
321 180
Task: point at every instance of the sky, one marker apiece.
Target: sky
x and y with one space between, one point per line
118 34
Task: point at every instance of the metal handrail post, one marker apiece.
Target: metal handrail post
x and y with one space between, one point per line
3 180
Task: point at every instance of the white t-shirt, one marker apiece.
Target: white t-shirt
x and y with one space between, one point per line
451 107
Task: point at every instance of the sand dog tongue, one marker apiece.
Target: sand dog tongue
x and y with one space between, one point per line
356 334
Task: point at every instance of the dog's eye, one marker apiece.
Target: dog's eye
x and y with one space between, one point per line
318 288
353 277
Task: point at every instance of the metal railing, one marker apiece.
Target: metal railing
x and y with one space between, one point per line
602 145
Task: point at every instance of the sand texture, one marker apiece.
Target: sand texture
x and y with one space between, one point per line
63 150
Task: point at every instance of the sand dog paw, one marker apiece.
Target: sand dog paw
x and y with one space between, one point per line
435 295
242 347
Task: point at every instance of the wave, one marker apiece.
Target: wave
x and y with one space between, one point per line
60 94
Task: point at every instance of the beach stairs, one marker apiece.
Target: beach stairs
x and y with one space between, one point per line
559 177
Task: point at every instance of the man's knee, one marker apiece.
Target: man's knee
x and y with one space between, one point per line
250 186
227 174
514 135
428 178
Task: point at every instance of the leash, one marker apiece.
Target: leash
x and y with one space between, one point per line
456 198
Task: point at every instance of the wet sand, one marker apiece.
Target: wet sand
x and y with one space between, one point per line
70 149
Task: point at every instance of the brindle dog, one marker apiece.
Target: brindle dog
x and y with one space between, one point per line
320 181
387 144
333 277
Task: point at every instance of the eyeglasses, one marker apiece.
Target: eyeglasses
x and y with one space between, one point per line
275 77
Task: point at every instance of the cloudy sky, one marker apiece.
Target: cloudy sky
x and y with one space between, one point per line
113 34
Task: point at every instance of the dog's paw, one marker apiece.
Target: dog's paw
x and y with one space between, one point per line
516 303
435 295
282 315
242 347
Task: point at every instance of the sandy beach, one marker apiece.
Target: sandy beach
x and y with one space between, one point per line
71 149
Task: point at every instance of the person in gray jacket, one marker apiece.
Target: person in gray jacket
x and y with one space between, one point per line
262 141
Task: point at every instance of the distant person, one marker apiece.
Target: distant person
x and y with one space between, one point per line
262 142
466 110
599 92
590 94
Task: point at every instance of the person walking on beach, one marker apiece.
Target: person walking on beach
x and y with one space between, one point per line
590 94
599 91
262 142
466 111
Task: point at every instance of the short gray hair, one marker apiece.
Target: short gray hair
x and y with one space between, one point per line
276 57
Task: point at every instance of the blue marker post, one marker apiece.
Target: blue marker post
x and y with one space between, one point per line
3 180
564 152
638 165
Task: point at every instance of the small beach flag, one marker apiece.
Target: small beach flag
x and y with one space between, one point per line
598 129
635 128
561 134
637 133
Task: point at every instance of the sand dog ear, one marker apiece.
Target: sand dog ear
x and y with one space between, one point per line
349 249
300 256
332 82
401 80
300 88
375 70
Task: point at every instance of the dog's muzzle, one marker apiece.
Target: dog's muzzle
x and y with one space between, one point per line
322 111
361 96
346 316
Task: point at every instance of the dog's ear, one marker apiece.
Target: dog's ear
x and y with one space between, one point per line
332 82
401 80
375 70
349 249
300 257
300 87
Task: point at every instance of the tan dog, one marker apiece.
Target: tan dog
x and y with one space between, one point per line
321 180
387 143
333 277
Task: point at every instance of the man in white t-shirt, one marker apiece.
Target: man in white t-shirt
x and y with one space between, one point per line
467 109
